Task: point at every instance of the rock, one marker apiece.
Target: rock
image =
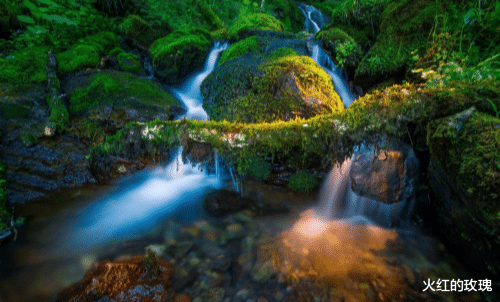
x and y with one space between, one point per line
120 281
179 53
270 83
390 176
221 203
181 298
258 21
138 33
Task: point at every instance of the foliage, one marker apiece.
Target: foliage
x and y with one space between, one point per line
129 62
150 264
119 89
87 52
25 66
57 23
344 48
365 12
303 181
138 30
255 166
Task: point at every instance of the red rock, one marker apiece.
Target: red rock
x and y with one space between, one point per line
124 280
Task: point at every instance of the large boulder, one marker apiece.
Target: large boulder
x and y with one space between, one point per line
464 175
137 279
266 85
179 54
138 33
388 176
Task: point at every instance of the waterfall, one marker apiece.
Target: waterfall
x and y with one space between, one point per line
143 201
338 201
339 80
315 20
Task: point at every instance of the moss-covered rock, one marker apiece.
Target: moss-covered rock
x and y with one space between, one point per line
25 67
341 47
121 89
258 87
288 13
239 48
258 21
129 62
465 177
405 26
179 54
138 32
87 52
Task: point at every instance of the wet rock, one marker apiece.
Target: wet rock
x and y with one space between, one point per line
213 295
181 298
388 176
221 203
121 281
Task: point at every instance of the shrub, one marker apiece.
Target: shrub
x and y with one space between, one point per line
303 181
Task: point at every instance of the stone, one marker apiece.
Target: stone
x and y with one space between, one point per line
389 176
121 281
221 203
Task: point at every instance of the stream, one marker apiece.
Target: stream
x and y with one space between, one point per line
68 231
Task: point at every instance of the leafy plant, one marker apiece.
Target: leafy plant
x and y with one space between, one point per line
303 181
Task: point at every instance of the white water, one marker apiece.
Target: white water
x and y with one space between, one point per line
144 200
314 22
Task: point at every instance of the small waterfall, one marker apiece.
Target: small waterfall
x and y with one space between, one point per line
314 22
190 95
339 80
338 201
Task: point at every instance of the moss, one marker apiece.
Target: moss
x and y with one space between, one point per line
180 53
471 155
211 19
116 51
87 52
288 13
303 181
258 21
59 116
8 19
24 67
256 167
139 31
361 34
129 62
342 47
119 88
405 26
239 48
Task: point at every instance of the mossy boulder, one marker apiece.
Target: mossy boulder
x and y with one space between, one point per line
259 86
465 177
25 67
87 52
138 33
342 48
129 62
404 27
239 48
258 21
121 89
179 54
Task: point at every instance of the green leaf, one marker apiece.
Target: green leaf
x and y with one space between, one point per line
49 3
32 7
26 19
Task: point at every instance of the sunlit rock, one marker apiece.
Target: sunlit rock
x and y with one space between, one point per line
121 281
388 176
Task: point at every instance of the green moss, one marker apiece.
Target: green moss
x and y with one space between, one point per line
239 48
129 62
258 21
303 181
179 53
26 66
471 155
119 88
116 51
87 52
288 13
256 167
342 47
138 30
59 116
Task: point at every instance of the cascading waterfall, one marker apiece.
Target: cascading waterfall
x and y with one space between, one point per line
314 22
155 195
336 199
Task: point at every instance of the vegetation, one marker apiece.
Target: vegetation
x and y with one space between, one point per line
303 181
258 21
